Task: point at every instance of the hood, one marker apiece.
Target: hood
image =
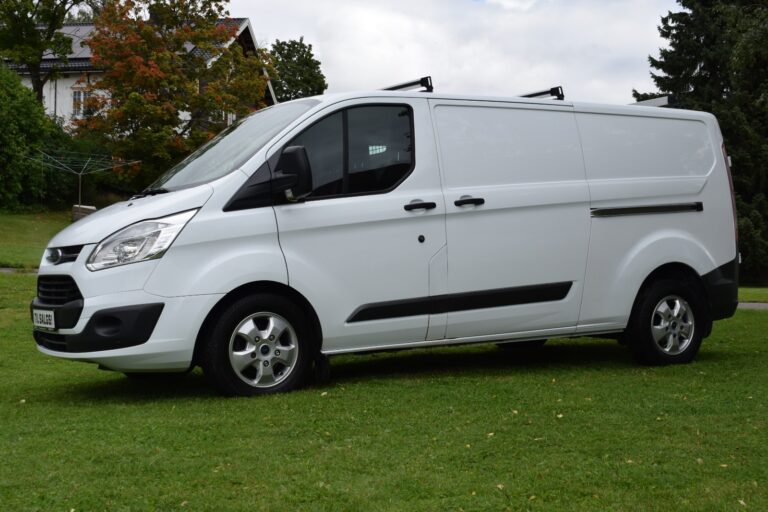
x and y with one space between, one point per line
96 227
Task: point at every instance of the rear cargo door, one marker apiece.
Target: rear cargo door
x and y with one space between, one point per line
517 217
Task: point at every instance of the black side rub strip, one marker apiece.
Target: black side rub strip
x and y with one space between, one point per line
647 210
461 301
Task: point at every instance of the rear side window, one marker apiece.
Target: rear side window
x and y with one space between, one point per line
359 150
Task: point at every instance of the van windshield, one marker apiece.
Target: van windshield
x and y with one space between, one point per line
231 148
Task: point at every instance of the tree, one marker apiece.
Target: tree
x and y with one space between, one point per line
79 16
298 72
86 12
24 127
171 80
717 61
29 31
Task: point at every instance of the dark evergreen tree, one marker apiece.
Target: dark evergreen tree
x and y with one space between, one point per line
717 61
298 71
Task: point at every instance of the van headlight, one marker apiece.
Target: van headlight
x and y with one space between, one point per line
145 240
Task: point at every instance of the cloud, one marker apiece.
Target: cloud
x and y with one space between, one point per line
514 5
596 49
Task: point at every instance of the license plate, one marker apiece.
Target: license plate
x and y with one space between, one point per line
43 318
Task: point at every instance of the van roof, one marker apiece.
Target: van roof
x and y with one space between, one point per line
335 97
586 107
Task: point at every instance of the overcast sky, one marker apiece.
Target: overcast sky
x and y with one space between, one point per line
596 49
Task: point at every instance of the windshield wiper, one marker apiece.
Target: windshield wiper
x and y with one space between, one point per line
150 192
154 191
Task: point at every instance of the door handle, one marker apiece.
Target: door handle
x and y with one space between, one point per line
465 200
419 205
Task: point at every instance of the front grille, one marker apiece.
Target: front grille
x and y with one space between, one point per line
51 341
57 290
70 253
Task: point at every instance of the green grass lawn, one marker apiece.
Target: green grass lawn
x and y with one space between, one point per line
573 426
753 294
24 237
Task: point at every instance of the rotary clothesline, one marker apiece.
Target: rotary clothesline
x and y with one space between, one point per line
80 164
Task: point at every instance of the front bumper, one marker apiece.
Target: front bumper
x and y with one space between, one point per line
107 329
131 331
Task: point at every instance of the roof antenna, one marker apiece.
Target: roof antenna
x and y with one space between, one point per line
425 82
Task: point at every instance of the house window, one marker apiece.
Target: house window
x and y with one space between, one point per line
79 98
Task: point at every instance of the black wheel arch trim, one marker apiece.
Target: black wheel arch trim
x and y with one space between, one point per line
249 289
718 288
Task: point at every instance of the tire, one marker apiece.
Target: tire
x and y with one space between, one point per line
261 344
512 346
667 323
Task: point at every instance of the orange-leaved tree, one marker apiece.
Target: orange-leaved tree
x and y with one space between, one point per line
174 74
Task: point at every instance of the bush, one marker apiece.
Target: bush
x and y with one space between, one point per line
24 126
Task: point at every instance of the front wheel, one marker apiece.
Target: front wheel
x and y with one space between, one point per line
261 344
667 324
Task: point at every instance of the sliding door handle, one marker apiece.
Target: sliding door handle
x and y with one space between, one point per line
420 205
465 200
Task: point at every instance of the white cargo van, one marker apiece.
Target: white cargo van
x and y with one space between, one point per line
387 220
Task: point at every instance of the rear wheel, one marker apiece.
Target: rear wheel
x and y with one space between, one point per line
261 344
667 324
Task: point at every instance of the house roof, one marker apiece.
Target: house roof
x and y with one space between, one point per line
79 32
242 27
79 57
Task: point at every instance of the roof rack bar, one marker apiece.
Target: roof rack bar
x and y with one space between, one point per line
425 82
554 92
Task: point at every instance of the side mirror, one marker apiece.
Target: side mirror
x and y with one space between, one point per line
294 174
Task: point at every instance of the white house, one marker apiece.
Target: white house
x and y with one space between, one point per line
64 95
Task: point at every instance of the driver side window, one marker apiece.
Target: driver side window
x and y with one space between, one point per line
359 150
324 143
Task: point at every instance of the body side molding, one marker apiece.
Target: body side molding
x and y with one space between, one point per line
461 301
647 209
